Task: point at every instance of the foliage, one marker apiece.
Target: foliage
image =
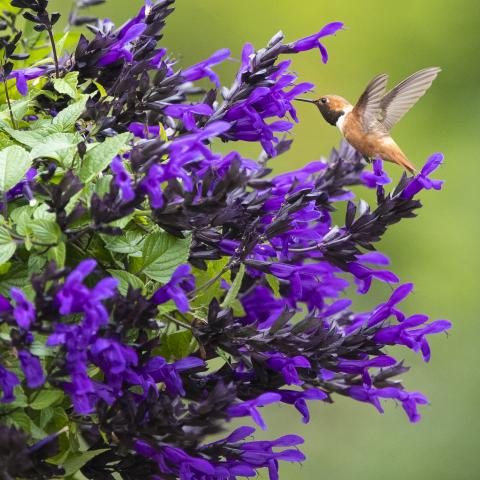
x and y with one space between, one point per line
154 289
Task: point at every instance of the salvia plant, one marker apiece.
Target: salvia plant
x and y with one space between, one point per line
154 289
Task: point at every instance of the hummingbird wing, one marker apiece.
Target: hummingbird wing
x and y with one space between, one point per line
369 103
396 103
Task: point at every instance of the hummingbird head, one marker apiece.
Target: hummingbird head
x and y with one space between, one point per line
332 107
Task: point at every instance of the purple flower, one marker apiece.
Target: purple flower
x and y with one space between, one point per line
181 282
409 400
75 297
250 408
298 399
32 369
288 367
23 187
187 113
406 334
202 69
116 361
143 131
24 311
8 382
4 305
422 180
313 41
152 185
23 75
122 179
121 50
362 366
158 370
364 275
378 179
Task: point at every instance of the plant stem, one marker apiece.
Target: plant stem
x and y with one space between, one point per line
7 96
54 51
224 270
177 322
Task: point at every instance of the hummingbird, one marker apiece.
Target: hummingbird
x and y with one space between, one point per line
367 125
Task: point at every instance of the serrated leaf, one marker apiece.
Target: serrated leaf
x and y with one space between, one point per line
45 231
78 460
36 264
6 141
126 278
27 137
67 85
14 164
99 157
162 254
234 288
65 120
129 243
58 146
20 107
7 246
17 276
46 398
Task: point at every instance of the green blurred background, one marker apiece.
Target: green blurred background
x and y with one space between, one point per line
436 250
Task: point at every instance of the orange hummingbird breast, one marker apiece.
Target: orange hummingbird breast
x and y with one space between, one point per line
367 144
373 145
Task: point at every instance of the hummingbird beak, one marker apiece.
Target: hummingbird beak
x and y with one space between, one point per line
304 100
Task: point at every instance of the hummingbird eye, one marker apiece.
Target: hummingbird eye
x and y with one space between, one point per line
324 100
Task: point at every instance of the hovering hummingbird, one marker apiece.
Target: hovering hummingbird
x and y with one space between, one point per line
366 126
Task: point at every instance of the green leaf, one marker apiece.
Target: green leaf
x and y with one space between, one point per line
27 137
58 146
205 296
37 432
58 254
168 307
60 46
234 288
20 107
46 414
99 157
162 254
7 246
67 85
36 263
100 88
45 231
5 141
65 120
46 398
21 419
129 243
78 460
17 276
14 164
125 278
179 344
274 284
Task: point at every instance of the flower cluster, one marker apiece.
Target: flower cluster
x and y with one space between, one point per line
153 289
